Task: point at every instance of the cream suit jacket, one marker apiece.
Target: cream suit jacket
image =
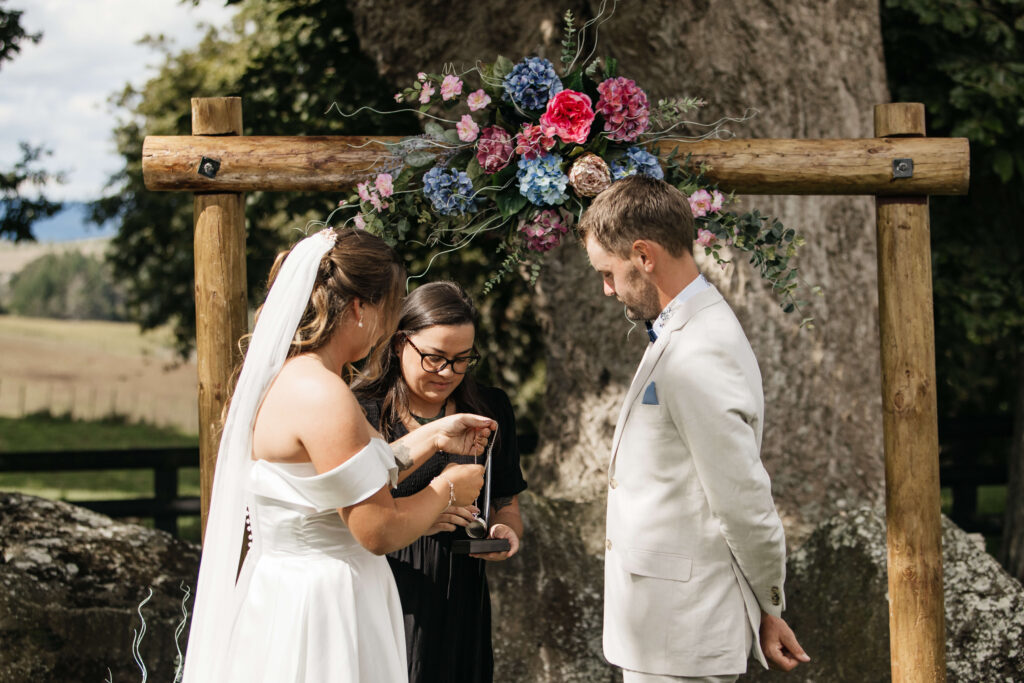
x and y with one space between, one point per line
695 548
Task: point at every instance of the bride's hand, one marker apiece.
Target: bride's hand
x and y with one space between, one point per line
463 434
466 482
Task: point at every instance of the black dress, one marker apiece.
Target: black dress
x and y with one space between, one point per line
445 598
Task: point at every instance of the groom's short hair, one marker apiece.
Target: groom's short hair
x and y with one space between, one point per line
639 208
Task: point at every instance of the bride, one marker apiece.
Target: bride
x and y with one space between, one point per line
314 599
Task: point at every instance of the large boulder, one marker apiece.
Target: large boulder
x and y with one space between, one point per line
837 592
70 585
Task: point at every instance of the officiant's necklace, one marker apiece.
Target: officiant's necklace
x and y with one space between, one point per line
427 420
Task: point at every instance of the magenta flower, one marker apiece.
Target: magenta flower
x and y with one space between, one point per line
426 93
570 115
624 107
467 128
494 149
451 87
706 238
533 141
700 203
478 100
385 184
545 231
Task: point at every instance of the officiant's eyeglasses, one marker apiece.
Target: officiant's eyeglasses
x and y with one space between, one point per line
435 363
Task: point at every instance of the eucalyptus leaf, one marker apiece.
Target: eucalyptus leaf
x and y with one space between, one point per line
433 129
452 136
420 159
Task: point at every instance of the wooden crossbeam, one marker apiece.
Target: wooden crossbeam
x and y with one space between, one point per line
937 166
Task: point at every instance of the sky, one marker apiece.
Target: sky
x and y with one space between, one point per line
56 92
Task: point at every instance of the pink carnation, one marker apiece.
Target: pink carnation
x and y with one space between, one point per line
426 93
624 107
700 203
451 87
545 231
385 184
478 100
570 115
494 150
533 141
467 128
706 238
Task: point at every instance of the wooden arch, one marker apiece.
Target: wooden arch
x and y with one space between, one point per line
899 166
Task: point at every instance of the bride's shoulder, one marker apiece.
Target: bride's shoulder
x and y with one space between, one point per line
306 384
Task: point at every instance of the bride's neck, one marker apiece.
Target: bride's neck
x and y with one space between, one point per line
335 354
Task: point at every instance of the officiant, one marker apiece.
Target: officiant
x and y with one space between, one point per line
426 376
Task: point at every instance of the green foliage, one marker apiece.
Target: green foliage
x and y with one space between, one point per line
69 285
964 59
17 212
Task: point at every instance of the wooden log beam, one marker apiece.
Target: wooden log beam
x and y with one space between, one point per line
810 167
910 419
220 288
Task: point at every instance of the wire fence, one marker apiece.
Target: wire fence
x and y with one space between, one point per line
97 401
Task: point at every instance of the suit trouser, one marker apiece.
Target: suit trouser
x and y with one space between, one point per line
638 677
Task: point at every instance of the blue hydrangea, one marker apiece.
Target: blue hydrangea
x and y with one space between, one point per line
450 191
637 160
531 83
541 180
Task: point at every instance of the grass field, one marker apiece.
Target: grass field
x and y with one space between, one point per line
93 369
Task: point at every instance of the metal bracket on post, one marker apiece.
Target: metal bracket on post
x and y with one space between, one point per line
208 167
901 168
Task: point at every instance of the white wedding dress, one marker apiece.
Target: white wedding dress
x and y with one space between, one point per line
320 607
309 605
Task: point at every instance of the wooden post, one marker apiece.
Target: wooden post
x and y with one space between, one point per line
910 418
221 306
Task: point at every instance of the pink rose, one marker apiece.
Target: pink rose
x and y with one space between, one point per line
363 190
478 100
359 221
717 198
451 87
700 203
570 114
426 92
706 238
399 97
467 128
494 149
385 184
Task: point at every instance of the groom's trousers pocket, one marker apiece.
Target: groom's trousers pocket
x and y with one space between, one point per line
657 565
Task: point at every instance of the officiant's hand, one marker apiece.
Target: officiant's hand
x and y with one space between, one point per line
501 531
464 433
452 518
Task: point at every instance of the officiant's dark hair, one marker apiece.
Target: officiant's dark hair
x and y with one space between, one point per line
638 208
435 303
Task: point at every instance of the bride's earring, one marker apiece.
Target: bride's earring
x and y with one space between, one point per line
360 321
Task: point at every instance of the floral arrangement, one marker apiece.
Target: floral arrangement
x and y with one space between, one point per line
533 148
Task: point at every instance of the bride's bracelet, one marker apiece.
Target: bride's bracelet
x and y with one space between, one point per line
451 489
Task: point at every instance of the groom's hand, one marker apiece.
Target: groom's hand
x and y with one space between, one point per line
779 644
452 518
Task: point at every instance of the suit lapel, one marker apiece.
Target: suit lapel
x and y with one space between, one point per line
679 318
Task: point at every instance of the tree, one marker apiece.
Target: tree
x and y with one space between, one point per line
304 58
71 286
965 61
18 212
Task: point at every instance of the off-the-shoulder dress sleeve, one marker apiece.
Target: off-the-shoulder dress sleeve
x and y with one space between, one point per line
352 481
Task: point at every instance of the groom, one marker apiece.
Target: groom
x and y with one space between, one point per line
695 551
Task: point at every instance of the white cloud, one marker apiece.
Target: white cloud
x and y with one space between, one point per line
56 92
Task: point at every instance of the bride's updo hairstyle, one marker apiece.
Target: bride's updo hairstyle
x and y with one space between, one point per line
359 266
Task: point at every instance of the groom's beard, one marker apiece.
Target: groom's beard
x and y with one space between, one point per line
641 300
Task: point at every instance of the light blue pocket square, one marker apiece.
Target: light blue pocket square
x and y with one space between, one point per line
650 396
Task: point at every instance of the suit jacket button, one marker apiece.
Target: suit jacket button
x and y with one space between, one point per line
608 543
776 599
613 483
